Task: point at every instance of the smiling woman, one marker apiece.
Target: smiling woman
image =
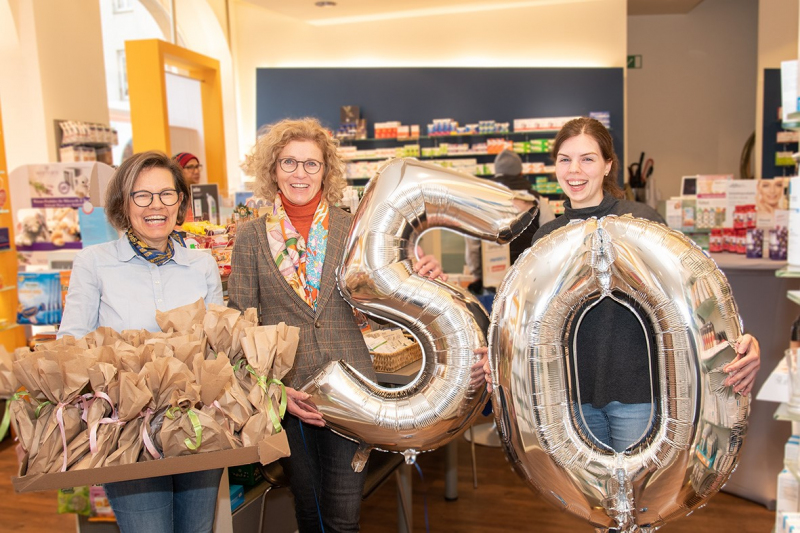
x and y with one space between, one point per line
611 348
284 264
121 284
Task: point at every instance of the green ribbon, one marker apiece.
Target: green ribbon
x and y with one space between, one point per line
264 383
39 407
6 422
198 429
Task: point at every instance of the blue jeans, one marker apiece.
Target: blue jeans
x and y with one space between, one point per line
618 425
182 503
325 488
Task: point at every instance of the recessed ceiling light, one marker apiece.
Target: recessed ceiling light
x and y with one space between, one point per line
325 4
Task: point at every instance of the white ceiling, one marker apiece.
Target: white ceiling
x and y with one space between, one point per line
364 10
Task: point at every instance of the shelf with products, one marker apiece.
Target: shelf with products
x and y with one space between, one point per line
524 133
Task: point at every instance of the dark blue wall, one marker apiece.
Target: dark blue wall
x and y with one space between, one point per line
419 95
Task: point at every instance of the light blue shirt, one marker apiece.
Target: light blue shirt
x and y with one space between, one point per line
111 285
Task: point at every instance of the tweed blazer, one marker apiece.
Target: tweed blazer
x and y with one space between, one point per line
331 333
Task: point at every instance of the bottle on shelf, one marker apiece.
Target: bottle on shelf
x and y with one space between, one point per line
794 341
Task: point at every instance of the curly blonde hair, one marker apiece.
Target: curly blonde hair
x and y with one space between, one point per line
262 161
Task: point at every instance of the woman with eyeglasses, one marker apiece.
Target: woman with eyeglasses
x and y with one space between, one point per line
284 264
121 284
191 167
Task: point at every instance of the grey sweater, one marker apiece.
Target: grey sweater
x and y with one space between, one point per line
613 362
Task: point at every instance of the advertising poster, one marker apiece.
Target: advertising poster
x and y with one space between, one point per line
48 229
205 202
53 186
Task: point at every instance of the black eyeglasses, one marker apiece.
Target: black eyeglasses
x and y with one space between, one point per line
193 167
289 164
168 197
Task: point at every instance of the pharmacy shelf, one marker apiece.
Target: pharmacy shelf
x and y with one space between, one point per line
452 136
794 296
782 413
788 272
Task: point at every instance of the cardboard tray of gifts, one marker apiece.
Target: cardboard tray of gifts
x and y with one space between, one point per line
270 449
203 393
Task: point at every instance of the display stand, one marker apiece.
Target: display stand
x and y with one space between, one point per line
12 335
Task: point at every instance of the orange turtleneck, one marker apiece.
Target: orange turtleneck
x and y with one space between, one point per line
301 216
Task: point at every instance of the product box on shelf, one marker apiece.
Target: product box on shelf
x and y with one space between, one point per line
793 245
248 475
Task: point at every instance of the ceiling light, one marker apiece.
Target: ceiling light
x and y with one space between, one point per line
325 4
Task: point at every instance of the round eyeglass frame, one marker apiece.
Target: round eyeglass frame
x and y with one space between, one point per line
297 162
160 198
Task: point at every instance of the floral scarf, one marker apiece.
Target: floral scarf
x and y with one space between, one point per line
155 256
299 263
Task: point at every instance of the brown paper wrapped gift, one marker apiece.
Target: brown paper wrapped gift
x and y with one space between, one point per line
91 448
187 429
60 376
134 397
270 354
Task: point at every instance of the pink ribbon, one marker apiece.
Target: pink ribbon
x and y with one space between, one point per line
86 402
148 443
93 428
60 418
228 421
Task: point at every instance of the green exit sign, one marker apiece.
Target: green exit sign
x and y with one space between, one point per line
635 61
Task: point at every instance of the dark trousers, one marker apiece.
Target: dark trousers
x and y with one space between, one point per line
324 485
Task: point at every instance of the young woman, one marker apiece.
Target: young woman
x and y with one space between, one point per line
613 361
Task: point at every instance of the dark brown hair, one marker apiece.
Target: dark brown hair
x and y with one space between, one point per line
598 132
118 194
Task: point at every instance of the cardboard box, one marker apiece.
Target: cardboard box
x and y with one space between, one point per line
495 261
270 449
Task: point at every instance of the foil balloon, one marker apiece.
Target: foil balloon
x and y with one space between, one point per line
405 199
699 424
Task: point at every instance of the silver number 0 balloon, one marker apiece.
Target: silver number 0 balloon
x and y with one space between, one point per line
404 200
699 424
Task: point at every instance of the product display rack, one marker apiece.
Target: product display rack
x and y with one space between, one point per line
12 335
432 141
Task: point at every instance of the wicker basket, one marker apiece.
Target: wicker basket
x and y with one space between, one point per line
390 362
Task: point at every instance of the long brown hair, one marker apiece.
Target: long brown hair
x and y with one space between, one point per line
598 132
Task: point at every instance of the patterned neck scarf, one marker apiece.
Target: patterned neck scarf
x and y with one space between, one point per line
299 263
154 255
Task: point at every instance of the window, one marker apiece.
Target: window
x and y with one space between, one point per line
122 6
122 72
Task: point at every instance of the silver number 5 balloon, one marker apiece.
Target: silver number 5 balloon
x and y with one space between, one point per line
699 423
404 200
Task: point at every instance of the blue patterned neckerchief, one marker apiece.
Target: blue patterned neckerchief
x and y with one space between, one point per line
153 255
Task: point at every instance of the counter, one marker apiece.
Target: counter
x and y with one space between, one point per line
767 314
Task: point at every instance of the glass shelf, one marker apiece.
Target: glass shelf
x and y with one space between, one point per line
9 288
782 413
793 296
788 272
4 211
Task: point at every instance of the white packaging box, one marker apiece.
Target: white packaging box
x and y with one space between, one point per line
793 251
